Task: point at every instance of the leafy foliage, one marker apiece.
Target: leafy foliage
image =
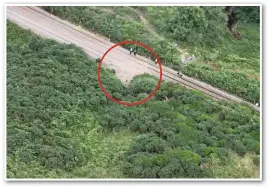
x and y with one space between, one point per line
192 24
248 13
143 84
52 100
59 123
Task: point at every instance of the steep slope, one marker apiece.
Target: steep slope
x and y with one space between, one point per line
60 125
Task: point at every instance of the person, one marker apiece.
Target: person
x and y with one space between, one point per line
149 59
98 60
135 52
130 50
179 74
166 99
146 41
155 61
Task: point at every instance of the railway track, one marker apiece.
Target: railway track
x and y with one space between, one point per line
104 44
168 74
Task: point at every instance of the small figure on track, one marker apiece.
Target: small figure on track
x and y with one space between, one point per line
179 74
135 51
149 59
130 50
155 61
98 60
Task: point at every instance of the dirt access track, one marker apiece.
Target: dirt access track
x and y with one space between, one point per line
127 66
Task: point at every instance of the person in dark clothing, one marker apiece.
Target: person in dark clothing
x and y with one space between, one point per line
179 74
98 60
135 52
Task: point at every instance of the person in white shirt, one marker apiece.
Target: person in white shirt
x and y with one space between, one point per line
166 99
130 50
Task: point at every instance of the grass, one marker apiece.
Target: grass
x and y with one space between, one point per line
237 167
236 55
107 151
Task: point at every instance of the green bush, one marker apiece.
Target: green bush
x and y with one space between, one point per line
142 85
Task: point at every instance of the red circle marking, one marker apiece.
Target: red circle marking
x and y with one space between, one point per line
123 102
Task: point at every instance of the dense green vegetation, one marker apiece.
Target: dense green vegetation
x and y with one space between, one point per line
52 122
224 62
60 125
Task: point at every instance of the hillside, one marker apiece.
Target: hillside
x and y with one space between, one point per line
60 125
177 33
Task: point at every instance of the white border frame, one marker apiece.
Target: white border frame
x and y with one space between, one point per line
137 179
